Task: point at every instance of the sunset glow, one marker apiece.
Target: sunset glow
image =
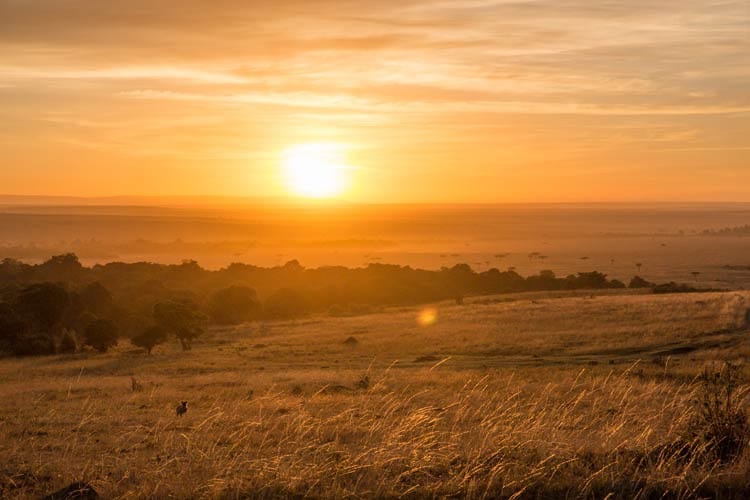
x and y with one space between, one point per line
315 170
375 249
447 101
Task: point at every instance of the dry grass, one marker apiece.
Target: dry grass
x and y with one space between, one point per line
538 397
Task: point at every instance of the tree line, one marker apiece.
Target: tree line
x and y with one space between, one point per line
62 306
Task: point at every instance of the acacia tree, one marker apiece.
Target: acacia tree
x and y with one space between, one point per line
183 319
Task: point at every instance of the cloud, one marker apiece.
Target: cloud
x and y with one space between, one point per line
456 71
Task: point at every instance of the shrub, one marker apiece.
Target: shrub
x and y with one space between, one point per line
101 335
68 342
673 287
34 344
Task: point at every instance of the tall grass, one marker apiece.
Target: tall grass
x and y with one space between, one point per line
296 428
495 436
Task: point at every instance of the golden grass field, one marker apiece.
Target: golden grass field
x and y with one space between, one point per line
542 395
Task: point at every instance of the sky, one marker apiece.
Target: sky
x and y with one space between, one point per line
428 100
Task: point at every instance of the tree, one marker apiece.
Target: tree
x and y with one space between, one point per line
44 304
12 329
638 282
97 299
101 335
286 303
234 305
592 280
65 267
183 319
617 284
150 338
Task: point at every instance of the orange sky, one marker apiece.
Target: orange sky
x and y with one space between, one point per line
435 100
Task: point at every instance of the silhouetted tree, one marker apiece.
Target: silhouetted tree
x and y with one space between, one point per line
13 329
673 287
101 335
286 303
64 268
234 305
638 282
150 338
593 279
617 284
183 319
43 305
97 299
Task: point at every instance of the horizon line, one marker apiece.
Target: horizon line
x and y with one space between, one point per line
215 200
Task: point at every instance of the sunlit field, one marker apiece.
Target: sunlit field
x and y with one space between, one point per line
352 249
534 395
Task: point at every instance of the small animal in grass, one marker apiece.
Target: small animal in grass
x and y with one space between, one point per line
135 385
181 408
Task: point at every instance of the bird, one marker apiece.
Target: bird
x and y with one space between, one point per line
135 385
181 408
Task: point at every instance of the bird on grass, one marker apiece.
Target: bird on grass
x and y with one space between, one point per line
181 408
135 385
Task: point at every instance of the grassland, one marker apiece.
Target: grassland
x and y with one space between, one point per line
525 396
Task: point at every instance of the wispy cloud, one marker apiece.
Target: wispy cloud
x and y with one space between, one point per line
543 73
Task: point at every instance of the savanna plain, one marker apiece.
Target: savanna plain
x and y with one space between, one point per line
567 394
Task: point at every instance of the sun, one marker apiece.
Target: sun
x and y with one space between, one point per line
315 170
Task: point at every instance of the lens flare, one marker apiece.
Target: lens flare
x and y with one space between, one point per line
427 316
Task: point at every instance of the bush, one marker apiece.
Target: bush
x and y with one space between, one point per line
234 305
34 344
68 342
101 335
673 287
720 422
